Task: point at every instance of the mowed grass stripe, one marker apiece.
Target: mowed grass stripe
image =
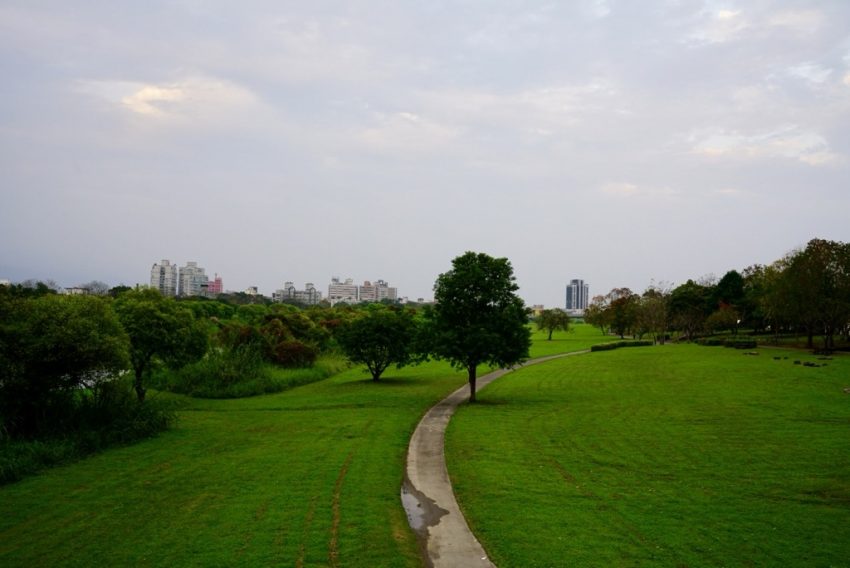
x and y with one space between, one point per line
239 482
677 455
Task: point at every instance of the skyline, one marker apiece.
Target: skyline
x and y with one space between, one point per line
619 143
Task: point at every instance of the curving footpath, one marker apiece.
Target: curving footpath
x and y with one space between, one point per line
427 496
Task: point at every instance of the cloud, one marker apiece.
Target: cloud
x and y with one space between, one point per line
786 142
192 99
627 189
847 79
149 99
718 26
811 72
800 21
407 132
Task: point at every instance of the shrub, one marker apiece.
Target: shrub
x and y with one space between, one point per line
292 354
105 414
223 373
740 343
618 344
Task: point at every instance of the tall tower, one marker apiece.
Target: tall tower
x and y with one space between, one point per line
164 278
193 280
577 297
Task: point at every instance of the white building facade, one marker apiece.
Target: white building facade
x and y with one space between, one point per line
309 296
164 278
192 280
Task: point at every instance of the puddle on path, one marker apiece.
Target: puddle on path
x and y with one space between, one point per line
422 511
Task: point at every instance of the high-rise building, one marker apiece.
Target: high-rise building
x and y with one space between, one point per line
578 294
309 296
385 292
164 278
343 291
192 280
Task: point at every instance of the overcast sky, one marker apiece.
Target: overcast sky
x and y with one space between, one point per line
616 141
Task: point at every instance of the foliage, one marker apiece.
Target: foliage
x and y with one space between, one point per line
159 330
553 320
618 344
653 313
478 318
292 354
689 307
50 347
105 415
380 337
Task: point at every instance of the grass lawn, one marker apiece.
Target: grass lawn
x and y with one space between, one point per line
580 336
660 456
308 477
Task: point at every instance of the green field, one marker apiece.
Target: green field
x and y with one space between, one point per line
308 477
677 455
578 338
660 456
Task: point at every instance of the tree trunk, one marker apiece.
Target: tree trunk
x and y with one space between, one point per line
472 369
550 335
138 384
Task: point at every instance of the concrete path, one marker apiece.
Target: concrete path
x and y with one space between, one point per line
427 495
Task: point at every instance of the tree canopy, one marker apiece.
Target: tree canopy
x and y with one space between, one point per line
478 318
553 320
380 337
159 328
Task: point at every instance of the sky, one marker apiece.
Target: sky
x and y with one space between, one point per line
619 142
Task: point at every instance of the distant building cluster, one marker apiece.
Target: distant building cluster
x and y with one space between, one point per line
309 295
350 293
578 294
189 280
192 280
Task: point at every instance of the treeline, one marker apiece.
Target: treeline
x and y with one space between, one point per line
75 370
807 292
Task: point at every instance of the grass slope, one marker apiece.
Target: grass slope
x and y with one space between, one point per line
309 477
661 456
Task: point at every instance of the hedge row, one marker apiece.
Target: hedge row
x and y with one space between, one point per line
734 343
618 344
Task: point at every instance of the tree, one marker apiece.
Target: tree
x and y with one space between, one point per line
689 307
96 287
597 315
51 346
622 307
159 328
478 318
553 320
654 312
816 281
379 338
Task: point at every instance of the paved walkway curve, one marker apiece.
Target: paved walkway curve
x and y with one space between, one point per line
427 495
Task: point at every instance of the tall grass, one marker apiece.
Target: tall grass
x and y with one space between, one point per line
242 372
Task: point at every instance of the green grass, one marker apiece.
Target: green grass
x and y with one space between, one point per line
308 477
580 336
661 456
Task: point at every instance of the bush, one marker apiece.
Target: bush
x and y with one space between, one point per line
293 354
104 415
740 343
711 342
618 344
223 373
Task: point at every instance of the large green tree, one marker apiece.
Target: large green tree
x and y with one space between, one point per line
51 346
380 337
478 318
553 320
159 328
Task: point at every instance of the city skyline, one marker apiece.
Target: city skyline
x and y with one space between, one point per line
628 142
